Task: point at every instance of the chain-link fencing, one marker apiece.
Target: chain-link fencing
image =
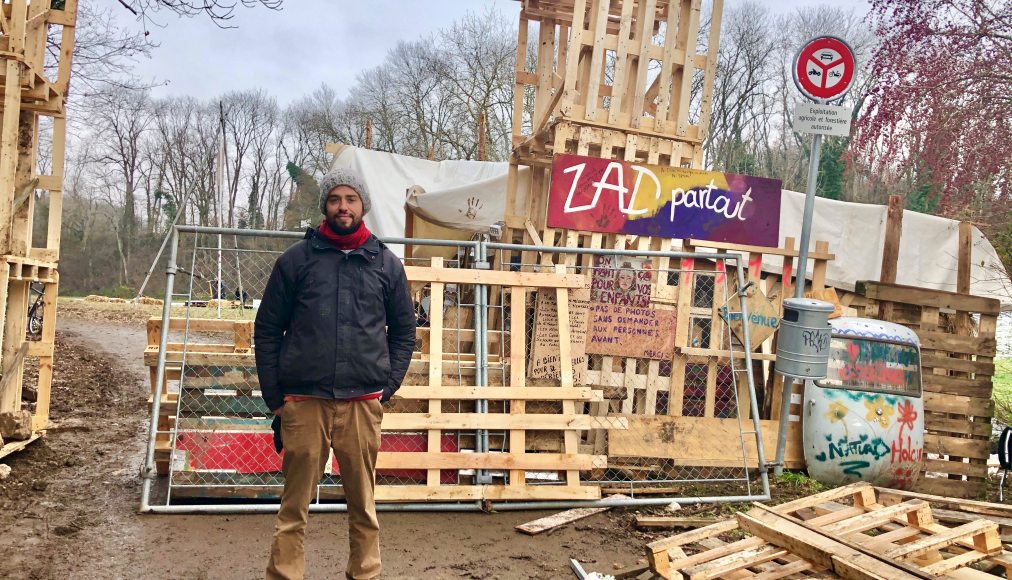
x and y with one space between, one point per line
660 334
648 332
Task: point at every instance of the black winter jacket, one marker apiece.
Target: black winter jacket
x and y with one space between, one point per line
332 324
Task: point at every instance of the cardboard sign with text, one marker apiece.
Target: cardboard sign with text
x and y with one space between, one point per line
627 331
763 317
828 295
544 362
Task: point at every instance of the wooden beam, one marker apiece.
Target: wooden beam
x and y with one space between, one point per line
928 297
453 393
665 522
494 277
456 421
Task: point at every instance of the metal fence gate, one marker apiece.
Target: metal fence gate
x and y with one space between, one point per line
661 382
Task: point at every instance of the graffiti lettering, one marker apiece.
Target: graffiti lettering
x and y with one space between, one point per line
890 353
854 467
876 448
873 372
818 340
753 318
904 452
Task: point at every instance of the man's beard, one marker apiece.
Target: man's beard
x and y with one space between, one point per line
341 230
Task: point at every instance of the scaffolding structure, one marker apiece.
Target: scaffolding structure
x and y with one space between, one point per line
36 46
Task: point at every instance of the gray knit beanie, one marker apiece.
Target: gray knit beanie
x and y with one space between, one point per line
342 176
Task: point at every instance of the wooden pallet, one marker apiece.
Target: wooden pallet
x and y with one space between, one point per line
696 398
845 532
958 363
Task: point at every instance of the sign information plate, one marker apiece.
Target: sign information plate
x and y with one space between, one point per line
822 119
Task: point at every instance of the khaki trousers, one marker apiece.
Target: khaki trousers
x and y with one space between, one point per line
309 429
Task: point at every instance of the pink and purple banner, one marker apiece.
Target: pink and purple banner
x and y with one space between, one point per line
622 197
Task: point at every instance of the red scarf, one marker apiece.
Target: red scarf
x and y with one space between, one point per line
345 242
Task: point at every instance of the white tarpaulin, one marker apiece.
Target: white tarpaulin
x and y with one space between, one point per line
470 196
464 195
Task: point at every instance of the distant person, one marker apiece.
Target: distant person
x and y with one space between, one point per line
244 296
334 336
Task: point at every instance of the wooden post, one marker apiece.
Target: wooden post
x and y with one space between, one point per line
41 418
368 133
965 250
963 265
891 250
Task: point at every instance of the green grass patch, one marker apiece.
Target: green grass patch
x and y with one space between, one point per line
1002 393
795 479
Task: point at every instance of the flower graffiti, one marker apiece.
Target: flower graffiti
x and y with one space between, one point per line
837 412
879 411
907 415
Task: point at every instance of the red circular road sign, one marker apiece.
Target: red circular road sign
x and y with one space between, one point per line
824 68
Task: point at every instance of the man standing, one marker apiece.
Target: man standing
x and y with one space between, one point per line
334 336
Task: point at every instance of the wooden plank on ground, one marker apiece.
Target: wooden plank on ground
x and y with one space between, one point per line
16 446
989 545
666 522
963 505
553 521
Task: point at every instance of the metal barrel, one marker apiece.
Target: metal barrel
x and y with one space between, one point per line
803 342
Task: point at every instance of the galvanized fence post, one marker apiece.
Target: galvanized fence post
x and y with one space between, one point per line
148 472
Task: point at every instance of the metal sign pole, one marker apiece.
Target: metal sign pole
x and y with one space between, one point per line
799 292
816 64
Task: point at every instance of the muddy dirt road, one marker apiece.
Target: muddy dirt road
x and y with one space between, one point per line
68 510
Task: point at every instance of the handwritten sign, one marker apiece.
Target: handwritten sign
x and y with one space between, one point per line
623 280
611 196
763 317
544 362
828 295
626 331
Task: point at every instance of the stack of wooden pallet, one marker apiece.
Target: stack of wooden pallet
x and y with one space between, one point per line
847 532
215 436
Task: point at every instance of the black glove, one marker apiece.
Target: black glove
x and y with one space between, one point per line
388 391
276 427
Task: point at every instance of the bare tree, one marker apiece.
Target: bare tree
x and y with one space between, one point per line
480 55
120 122
187 136
219 11
104 52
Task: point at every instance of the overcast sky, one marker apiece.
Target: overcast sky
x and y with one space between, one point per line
291 52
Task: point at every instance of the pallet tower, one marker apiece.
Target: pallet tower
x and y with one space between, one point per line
36 46
602 85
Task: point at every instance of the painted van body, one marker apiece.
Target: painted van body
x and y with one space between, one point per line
865 421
